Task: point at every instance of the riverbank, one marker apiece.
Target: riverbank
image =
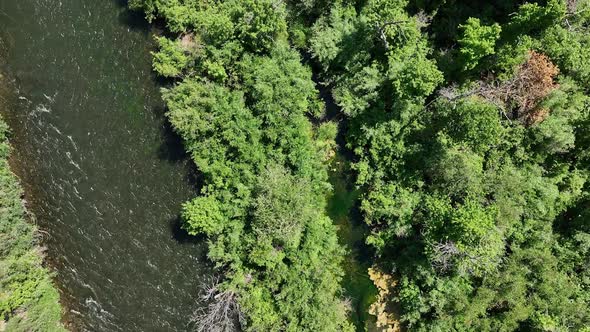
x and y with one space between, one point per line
28 299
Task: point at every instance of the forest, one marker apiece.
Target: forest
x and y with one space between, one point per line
468 129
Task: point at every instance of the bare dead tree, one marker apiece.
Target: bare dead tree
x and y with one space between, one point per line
532 82
572 12
444 253
222 313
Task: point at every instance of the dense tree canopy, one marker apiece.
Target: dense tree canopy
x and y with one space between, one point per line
473 185
243 106
470 128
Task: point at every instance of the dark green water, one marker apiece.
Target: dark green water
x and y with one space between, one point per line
100 169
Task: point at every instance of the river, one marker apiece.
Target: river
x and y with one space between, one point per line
102 173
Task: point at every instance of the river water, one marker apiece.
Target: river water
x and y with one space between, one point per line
101 171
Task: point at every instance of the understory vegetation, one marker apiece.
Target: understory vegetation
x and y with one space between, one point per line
28 299
469 122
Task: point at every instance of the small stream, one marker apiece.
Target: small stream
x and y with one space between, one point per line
102 172
343 208
344 211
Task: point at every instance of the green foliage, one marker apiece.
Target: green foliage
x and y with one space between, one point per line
243 109
330 31
477 41
457 171
171 60
221 134
264 191
377 57
472 211
290 239
511 55
261 23
280 215
479 215
28 299
256 24
203 216
570 49
532 17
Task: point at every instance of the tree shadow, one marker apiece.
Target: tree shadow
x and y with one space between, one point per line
121 3
181 235
172 147
573 219
135 20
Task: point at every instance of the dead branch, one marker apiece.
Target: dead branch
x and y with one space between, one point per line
222 313
444 253
532 82
423 19
381 30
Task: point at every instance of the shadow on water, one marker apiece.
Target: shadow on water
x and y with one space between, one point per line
135 20
173 151
180 234
172 147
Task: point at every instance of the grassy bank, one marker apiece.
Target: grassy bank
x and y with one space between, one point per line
28 299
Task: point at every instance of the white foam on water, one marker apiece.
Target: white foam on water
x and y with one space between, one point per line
73 143
41 108
69 155
50 99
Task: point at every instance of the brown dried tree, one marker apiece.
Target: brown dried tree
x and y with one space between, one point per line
521 95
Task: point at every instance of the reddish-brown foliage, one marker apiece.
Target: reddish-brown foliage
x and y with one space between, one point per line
536 116
533 82
520 96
